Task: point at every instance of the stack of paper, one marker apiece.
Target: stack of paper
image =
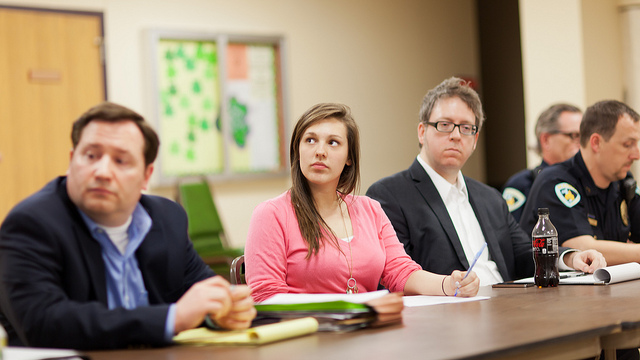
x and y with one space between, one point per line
334 312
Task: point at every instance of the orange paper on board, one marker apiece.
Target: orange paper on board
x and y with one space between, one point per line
237 62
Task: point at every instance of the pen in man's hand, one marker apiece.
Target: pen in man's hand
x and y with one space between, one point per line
473 263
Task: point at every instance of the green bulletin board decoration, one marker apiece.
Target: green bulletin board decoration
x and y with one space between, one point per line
219 105
188 89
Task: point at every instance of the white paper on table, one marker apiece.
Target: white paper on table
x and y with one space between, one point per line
26 353
618 273
421 300
288 299
607 275
587 279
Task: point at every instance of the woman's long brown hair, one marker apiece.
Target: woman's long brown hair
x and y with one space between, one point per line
311 224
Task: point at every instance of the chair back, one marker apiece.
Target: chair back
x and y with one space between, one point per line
205 228
237 271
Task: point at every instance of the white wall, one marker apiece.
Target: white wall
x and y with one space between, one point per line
603 50
379 57
572 52
630 25
552 64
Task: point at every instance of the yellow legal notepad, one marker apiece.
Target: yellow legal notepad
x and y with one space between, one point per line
254 336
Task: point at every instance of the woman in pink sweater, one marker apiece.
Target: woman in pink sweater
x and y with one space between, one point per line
319 238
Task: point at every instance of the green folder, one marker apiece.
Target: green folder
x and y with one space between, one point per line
331 316
330 306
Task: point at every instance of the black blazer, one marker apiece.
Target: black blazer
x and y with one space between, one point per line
52 276
418 214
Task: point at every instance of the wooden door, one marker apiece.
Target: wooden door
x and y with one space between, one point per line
51 71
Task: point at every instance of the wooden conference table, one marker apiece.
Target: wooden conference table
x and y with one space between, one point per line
570 321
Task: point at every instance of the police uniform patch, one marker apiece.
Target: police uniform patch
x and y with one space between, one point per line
567 194
514 198
624 213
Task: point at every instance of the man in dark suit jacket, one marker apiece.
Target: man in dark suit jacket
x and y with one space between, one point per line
423 225
90 263
431 203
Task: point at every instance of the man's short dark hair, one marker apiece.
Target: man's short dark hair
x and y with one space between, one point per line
602 118
111 112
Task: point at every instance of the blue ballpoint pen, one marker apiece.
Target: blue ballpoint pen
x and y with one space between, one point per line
473 263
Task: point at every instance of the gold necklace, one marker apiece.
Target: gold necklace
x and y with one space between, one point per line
352 285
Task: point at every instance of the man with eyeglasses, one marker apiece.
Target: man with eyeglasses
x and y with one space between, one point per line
443 218
558 135
592 198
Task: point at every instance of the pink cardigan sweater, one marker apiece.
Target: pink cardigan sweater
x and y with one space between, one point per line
275 252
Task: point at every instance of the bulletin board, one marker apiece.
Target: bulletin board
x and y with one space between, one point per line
219 105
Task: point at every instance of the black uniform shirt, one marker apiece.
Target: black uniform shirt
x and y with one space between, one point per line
578 207
517 188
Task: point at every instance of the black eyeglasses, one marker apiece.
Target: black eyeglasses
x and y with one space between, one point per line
575 136
448 126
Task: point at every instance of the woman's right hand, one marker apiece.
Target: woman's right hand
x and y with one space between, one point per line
466 287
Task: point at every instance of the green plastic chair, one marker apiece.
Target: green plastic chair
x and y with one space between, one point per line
205 228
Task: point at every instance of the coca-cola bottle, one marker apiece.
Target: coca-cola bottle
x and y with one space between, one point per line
545 250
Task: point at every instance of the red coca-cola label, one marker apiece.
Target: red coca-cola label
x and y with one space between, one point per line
546 245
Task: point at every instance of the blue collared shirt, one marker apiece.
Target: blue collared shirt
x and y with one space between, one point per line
125 285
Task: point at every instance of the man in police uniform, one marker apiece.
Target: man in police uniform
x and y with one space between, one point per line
558 135
592 198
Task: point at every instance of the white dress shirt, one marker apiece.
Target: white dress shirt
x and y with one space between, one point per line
456 200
